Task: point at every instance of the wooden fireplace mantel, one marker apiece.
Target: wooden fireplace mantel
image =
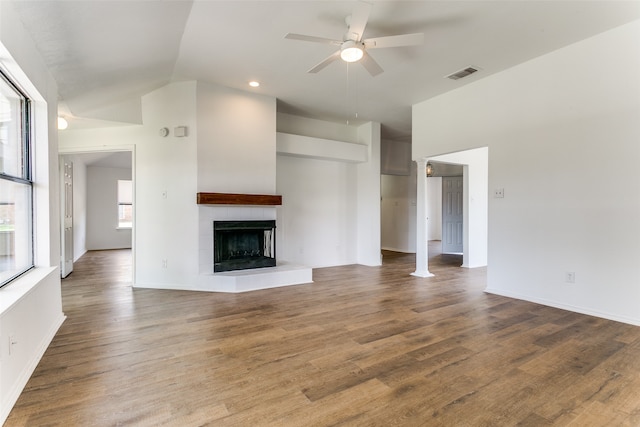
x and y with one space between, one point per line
238 199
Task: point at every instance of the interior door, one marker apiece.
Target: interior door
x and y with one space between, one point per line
66 250
452 214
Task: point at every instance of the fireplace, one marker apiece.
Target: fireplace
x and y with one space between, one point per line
240 245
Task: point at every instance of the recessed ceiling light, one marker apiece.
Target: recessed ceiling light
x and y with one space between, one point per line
254 83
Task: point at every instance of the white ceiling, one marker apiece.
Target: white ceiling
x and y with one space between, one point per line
105 54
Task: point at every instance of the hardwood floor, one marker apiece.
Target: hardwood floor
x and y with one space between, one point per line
362 346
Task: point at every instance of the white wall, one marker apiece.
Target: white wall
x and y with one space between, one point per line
102 209
331 208
166 215
79 209
398 212
395 157
562 132
236 154
434 208
31 306
316 224
368 197
236 141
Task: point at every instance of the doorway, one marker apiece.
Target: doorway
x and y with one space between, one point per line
474 208
96 203
445 200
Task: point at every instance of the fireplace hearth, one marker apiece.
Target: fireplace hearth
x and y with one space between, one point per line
241 245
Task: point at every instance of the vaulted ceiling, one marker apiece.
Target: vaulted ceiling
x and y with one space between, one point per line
106 54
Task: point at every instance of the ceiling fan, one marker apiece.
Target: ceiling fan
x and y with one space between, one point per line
353 47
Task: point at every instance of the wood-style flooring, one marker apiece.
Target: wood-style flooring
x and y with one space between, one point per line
362 346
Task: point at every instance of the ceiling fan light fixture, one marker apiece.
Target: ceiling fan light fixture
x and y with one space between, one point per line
351 51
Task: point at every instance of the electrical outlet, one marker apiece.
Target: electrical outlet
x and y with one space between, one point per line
12 342
164 263
498 193
570 277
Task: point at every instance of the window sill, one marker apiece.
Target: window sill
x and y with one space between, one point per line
124 228
19 288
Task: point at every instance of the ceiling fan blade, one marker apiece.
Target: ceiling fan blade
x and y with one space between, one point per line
394 41
325 62
313 39
358 19
371 65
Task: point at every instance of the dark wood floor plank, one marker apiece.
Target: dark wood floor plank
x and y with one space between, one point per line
361 346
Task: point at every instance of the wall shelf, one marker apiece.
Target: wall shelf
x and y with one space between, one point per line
238 199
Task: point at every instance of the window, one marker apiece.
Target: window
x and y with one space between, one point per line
125 205
16 187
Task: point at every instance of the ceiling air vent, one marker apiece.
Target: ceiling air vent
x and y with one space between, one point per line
462 73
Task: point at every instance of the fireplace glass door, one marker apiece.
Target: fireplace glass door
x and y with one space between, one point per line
240 245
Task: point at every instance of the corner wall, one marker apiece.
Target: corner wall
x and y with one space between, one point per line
564 147
331 206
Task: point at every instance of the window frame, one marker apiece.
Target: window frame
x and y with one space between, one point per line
26 170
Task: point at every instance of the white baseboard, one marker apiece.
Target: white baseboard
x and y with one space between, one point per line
568 307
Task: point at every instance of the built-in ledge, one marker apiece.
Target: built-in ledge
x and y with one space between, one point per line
238 199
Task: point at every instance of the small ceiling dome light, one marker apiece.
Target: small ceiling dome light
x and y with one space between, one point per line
62 123
351 51
429 169
254 83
